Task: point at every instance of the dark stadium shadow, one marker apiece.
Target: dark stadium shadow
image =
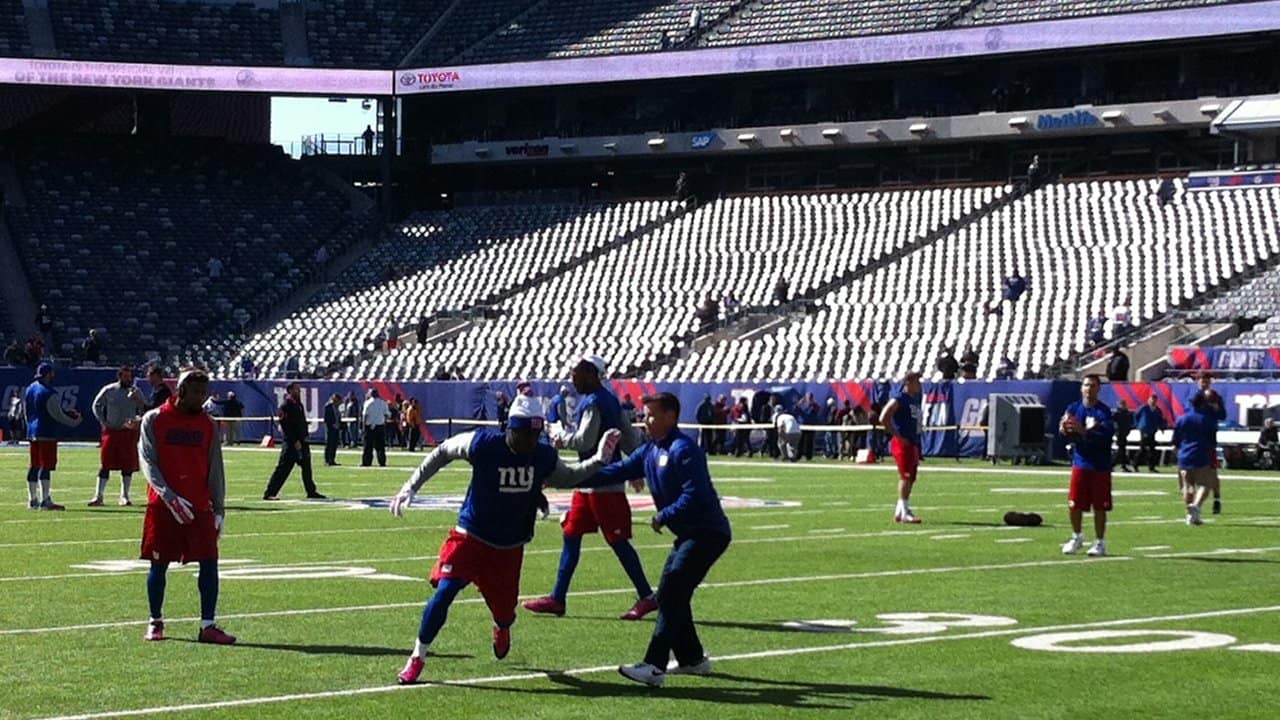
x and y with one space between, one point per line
752 691
347 650
1227 560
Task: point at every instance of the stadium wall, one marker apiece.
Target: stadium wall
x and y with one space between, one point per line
959 407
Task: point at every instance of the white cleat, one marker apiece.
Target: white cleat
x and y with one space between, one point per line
1193 516
124 502
643 673
907 517
1073 546
1099 549
703 667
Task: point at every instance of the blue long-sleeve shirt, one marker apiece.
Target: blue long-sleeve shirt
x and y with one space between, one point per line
1149 420
1092 451
1196 436
675 470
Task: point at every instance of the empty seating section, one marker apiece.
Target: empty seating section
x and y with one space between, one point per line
13 30
628 304
166 31
368 33
1258 299
765 21
996 12
469 25
575 28
442 261
118 236
1086 246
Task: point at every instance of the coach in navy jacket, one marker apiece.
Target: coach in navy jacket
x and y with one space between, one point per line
675 470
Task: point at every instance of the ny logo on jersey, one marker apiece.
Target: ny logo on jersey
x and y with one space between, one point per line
515 479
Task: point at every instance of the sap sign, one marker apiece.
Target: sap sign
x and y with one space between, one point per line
702 140
1067 121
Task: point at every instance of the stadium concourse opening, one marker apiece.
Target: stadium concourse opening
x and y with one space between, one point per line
861 306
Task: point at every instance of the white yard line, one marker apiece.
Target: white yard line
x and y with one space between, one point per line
785 652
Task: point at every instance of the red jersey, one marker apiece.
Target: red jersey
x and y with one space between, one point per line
181 448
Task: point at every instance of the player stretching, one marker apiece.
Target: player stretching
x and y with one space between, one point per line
118 407
606 508
43 408
508 472
1087 424
1196 437
901 419
1217 409
182 461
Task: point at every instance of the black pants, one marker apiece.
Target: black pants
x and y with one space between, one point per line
707 440
806 444
415 437
1122 450
290 456
1147 453
375 440
686 566
344 434
741 442
331 439
770 443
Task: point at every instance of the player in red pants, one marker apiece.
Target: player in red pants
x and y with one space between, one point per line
901 419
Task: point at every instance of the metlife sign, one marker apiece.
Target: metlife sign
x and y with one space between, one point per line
1068 121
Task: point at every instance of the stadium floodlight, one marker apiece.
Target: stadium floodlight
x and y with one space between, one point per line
831 133
786 133
1019 121
875 132
1211 108
568 148
657 142
918 128
1164 114
747 138
611 146
1113 116
482 152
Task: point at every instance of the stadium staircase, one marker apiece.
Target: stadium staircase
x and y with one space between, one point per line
293 33
40 28
962 12
756 322
699 40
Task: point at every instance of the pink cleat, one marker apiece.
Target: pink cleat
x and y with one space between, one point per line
643 607
501 641
412 669
545 606
155 631
907 517
214 634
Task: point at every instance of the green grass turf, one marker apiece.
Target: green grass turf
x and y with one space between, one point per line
836 556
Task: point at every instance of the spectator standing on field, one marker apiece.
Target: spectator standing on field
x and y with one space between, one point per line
296 447
375 416
332 429
1150 420
705 415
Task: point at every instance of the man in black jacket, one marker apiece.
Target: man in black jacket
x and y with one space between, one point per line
232 411
1124 423
1118 366
160 392
295 449
332 429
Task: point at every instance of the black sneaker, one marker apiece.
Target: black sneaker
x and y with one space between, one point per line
317 496
1217 506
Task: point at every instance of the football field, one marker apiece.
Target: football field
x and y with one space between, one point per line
822 606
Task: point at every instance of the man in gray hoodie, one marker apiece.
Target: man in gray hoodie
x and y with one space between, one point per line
118 407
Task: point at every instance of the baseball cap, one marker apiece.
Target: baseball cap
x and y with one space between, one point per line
43 369
525 414
595 361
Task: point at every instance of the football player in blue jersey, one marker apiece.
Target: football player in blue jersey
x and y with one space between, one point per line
508 471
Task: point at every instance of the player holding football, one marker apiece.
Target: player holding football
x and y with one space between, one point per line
43 409
182 461
901 419
1216 408
604 508
118 408
508 472
1087 425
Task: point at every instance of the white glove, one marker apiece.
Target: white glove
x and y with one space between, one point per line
180 508
402 500
608 444
218 522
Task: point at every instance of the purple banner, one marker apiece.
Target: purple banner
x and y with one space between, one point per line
1233 19
75 73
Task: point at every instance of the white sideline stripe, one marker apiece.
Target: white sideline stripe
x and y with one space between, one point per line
722 584
769 527
949 537
976 469
1014 540
548 551
1151 548
283 533
809 650
826 531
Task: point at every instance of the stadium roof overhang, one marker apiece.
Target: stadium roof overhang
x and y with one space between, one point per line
1235 19
1250 117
